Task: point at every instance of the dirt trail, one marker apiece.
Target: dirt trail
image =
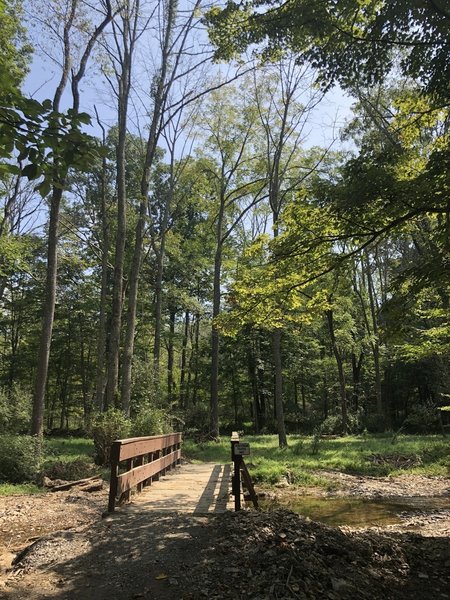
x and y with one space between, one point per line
247 555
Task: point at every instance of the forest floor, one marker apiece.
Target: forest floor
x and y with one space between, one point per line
64 549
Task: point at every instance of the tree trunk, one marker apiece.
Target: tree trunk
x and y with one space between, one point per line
100 377
158 309
128 349
215 343
184 361
356 376
278 395
37 419
252 373
117 294
340 366
375 344
235 396
196 358
215 338
170 356
60 174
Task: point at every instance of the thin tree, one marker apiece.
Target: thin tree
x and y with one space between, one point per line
74 75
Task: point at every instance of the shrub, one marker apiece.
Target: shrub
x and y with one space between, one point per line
374 423
107 427
422 419
70 470
19 458
333 424
151 421
15 410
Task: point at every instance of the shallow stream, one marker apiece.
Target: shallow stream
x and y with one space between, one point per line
356 512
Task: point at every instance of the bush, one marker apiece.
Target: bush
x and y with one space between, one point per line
422 419
70 470
374 423
151 421
19 458
15 410
333 424
107 427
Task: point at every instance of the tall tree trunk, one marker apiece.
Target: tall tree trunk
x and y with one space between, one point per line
184 360
215 337
128 349
356 376
158 308
375 344
124 83
196 358
235 396
100 377
340 366
170 356
37 419
160 95
60 174
278 396
253 376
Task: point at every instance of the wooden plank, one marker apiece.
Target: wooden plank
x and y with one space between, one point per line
132 478
134 447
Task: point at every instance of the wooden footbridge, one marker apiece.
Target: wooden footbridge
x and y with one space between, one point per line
148 472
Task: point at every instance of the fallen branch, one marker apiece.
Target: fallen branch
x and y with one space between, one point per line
71 484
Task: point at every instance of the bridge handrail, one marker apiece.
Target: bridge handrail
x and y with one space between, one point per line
146 459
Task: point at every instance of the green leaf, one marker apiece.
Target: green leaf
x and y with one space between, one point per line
32 171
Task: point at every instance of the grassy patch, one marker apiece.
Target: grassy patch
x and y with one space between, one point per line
305 457
19 489
66 449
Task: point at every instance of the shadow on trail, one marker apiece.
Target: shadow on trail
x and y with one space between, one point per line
137 552
163 555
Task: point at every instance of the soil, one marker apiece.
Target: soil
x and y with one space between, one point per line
64 550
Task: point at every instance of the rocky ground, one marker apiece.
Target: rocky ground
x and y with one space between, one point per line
263 555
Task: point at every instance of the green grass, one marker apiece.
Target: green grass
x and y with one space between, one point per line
305 456
67 449
16 489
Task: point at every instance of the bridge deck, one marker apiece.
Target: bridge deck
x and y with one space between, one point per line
195 489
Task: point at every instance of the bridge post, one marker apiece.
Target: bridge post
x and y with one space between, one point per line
236 480
114 459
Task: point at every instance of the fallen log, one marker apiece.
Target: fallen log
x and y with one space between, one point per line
71 484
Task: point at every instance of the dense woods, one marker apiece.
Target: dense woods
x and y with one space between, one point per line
177 242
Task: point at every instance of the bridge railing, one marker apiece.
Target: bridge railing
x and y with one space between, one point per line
136 462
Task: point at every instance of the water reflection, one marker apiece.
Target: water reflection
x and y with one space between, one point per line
356 512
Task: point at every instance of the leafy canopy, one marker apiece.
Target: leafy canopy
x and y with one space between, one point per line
345 40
